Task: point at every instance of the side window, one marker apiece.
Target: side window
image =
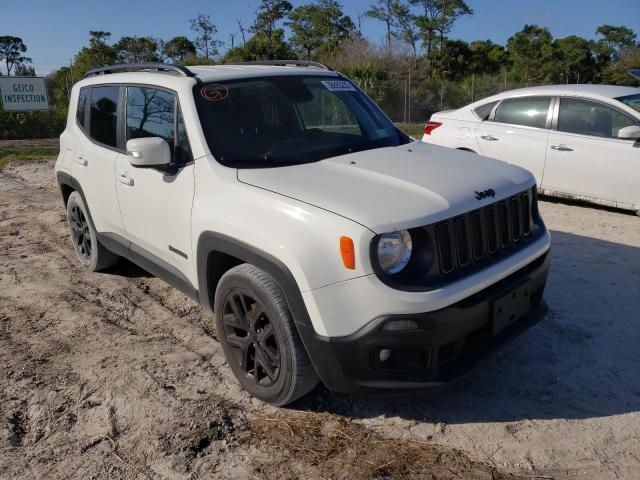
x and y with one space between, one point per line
150 113
591 118
483 111
528 111
82 106
103 116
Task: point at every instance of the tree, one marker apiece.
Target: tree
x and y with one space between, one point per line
269 13
261 47
384 11
487 57
136 49
574 59
205 41
97 54
319 28
11 52
405 21
178 48
616 37
531 52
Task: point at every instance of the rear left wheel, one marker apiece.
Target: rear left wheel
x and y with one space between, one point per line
259 338
92 254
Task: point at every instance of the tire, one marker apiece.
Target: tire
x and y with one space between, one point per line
92 254
259 339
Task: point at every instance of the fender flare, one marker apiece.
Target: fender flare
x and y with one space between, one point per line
212 242
66 179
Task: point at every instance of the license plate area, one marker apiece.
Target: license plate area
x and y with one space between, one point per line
512 306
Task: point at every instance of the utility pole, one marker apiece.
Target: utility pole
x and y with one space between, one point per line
409 95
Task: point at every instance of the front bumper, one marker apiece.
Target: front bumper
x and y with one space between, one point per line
446 343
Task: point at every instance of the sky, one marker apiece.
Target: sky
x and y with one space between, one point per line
55 30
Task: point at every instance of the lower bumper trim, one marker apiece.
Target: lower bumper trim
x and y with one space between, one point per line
455 337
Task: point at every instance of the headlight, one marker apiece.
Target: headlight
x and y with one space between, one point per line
394 251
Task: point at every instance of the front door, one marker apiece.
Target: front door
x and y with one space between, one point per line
586 158
517 133
156 204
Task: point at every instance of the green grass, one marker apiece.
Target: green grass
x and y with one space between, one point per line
26 154
413 129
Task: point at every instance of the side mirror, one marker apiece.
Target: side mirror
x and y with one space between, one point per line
149 152
629 133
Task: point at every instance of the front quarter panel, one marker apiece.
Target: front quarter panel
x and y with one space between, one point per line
303 237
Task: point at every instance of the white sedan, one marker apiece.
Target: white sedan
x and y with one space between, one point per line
579 141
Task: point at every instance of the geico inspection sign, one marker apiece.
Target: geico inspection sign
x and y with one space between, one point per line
23 94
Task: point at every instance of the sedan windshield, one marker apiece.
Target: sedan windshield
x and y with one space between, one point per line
275 121
631 100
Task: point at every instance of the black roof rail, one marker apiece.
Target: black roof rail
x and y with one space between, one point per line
285 63
140 67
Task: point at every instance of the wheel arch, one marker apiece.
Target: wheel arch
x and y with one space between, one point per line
217 253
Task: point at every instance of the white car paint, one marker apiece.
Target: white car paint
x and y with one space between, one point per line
296 214
588 167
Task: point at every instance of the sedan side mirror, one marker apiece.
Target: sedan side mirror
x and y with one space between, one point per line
149 152
629 133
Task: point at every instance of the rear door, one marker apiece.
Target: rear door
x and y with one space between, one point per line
95 154
156 204
516 132
585 157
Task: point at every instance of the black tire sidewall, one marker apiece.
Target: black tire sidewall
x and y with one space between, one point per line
237 280
76 199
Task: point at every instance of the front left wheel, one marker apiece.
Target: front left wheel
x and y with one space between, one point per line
92 254
259 339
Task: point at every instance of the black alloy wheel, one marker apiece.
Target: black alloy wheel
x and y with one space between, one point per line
80 232
251 337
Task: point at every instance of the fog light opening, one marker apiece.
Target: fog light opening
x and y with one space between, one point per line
384 354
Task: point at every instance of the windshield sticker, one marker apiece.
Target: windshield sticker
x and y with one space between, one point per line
338 85
214 93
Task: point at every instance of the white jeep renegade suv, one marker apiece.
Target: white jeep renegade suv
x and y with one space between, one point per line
329 246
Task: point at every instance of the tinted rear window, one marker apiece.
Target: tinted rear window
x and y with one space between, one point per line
104 115
483 111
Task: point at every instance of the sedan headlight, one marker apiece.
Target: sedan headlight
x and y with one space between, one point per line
394 251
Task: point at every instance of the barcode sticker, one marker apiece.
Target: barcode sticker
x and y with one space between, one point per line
338 85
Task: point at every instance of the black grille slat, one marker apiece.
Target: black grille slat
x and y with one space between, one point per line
526 215
445 251
462 241
477 235
491 226
516 218
503 224
470 238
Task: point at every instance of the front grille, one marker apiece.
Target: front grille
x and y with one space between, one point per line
482 233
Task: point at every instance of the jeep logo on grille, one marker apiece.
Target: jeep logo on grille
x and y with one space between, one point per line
487 193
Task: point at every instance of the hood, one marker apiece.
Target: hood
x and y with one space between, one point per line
395 187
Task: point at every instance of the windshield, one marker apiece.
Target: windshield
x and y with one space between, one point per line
276 121
631 100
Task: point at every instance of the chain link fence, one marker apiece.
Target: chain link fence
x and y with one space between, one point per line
31 125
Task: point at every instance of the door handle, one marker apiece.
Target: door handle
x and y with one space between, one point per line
81 161
562 148
489 138
123 178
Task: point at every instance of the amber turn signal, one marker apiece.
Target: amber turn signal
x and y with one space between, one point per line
347 252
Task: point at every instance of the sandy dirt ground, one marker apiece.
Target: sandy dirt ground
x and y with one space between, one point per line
117 375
